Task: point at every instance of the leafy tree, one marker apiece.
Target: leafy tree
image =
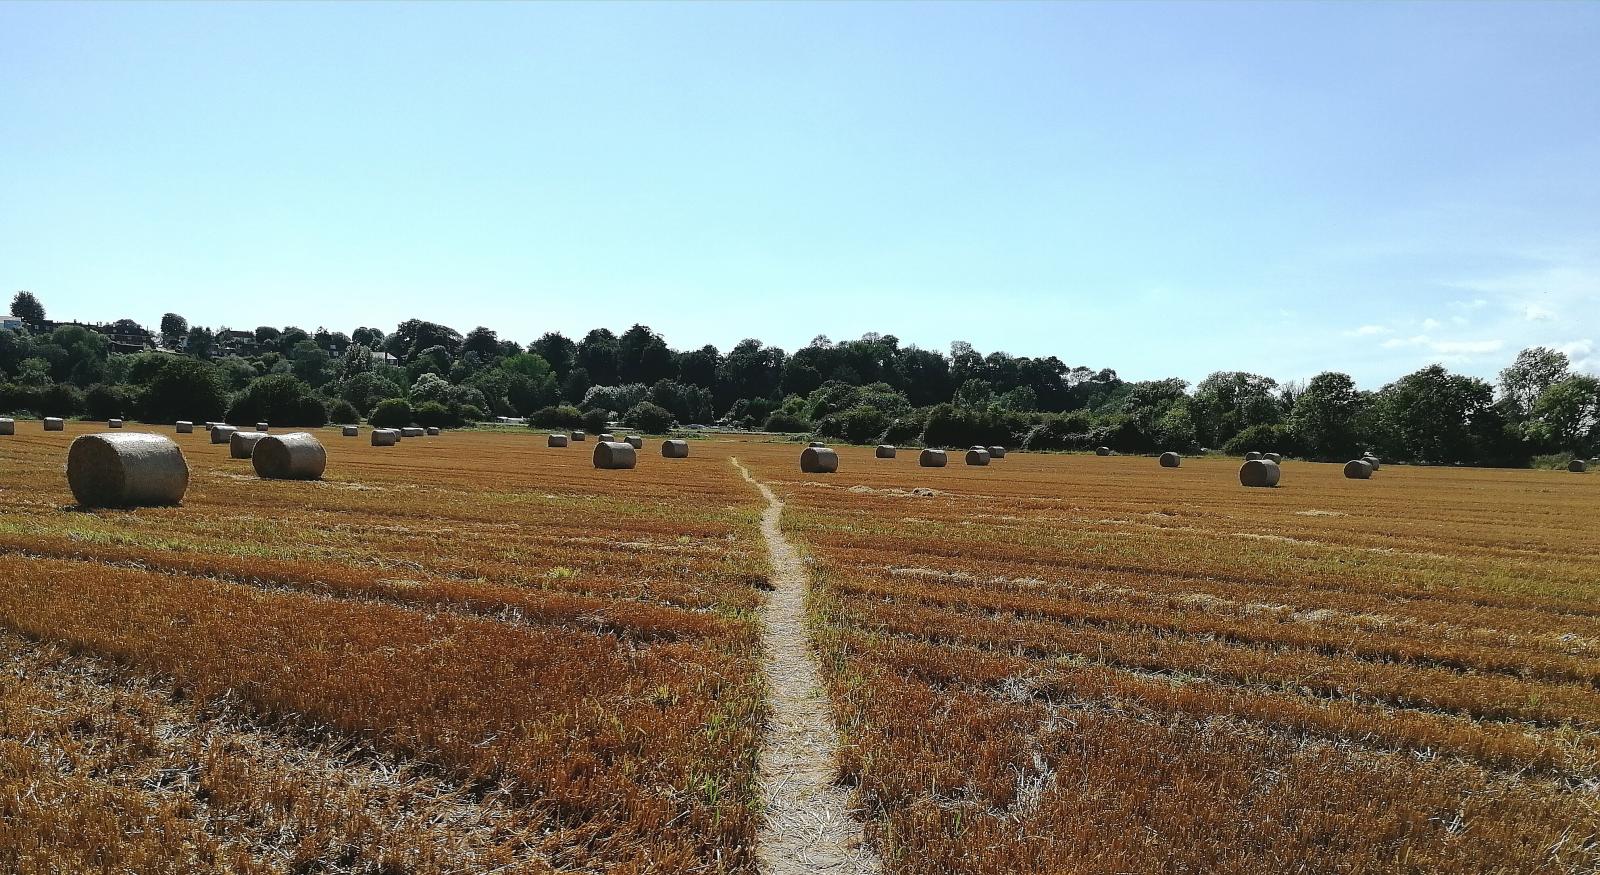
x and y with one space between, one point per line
575 384
1326 418
974 394
280 399
391 413
599 356
648 418
484 342
857 425
371 338
558 350
414 336
26 307
1263 437
344 413
564 416
200 342
614 398
174 329
107 402
14 348
595 420
311 363
1535 370
685 401
1228 402
699 368
1566 415
61 399
435 414
1427 415
430 387
169 388
83 354
786 423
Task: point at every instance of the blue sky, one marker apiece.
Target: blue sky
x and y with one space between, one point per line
1163 189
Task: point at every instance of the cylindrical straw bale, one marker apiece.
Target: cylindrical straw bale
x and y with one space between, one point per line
8 425
1357 469
556 440
634 441
605 437
675 449
816 444
1259 472
55 423
350 431
243 443
412 431
885 451
1171 460
1274 458
615 455
126 470
933 459
1253 455
997 452
977 457
818 460
185 427
579 437
385 437
114 423
1102 451
261 426
433 431
222 434
1372 460
297 455
1577 466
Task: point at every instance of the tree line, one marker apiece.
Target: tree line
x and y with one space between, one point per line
867 390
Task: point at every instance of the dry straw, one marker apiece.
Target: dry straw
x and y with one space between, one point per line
297 455
1371 460
222 434
634 441
884 451
54 423
8 425
433 431
556 440
615 455
1274 458
126 470
114 423
1357 469
675 449
933 459
1253 455
185 427
818 460
350 430
1171 460
412 431
997 452
605 437
243 443
1577 466
977 456
1258 472
385 437
579 437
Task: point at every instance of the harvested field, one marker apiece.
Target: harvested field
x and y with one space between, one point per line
476 653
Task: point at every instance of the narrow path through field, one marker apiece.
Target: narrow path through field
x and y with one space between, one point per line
808 825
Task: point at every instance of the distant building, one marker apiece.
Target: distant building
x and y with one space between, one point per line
383 358
11 324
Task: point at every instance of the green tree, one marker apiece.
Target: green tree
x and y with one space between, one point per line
1428 415
1535 370
974 394
1228 402
200 343
26 307
1566 415
391 413
174 329
1326 417
169 388
648 418
279 399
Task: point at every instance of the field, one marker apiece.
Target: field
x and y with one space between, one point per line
472 653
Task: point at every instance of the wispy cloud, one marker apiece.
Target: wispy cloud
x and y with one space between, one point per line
1369 331
1455 348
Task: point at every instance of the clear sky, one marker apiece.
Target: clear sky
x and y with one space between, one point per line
1166 190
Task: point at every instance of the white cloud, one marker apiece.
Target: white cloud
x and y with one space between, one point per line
1430 325
1369 331
1453 348
1474 304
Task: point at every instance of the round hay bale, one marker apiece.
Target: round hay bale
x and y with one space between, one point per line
818 460
222 434
8 425
243 443
1577 466
675 449
933 459
55 423
634 441
579 437
1102 451
1258 472
114 423
297 455
884 451
977 456
433 431
1171 460
385 437
615 455
412 431
1371 460
350 431
556 440
185 427
1357 469
1253 455
818 444
261 426
997 452
126 470
605 437
1274 458
210 425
